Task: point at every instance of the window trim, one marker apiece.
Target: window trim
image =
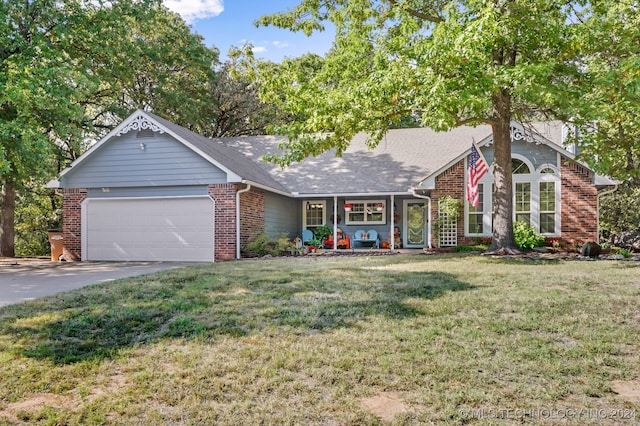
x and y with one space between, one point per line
304 213
347 215
535 177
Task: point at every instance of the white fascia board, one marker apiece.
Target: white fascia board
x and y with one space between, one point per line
267 188
348 194
429 182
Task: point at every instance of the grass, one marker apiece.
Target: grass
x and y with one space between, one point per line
460 339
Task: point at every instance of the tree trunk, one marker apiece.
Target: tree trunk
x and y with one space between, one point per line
7 219
503 240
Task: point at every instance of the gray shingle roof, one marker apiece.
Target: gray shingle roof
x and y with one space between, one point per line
402 159
237 162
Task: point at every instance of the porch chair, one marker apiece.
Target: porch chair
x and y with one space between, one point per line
373 236
307 235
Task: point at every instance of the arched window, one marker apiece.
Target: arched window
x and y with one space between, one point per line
519 167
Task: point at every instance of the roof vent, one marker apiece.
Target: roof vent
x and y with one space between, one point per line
145 134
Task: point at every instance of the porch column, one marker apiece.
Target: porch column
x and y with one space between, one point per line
392 239
335 223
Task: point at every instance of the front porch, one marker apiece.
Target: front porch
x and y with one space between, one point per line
381 222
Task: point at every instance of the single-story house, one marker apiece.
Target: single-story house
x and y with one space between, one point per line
152 190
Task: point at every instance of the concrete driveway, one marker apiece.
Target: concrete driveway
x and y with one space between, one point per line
29 279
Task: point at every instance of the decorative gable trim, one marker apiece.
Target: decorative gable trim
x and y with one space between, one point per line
139 123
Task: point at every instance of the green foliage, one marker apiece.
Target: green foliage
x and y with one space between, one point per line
466 249
526 236
621 251
314 242
70 70
322 232
37 210
619 211
263 245
607 114
451 208
447 63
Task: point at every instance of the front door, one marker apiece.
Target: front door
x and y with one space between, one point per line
415 223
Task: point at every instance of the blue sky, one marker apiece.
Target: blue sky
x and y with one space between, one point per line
230 23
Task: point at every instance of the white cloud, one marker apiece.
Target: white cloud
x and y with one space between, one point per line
259 49
192 10
280 44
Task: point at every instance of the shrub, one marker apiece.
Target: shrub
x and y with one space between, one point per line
263 245
322 232
526 236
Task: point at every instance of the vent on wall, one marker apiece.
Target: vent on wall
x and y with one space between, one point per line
145 134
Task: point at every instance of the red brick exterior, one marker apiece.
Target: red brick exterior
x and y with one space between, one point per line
251 212
72 226
579 203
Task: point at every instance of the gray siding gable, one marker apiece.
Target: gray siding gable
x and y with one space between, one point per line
156 159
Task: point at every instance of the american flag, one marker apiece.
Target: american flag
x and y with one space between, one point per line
477 169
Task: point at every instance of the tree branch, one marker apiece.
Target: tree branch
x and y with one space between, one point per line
417 13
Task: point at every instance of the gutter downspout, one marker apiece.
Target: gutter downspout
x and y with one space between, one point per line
425 197
605 192
241 191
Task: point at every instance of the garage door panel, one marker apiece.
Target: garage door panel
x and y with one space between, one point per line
150 229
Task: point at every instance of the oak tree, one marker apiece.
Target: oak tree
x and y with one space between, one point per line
450 63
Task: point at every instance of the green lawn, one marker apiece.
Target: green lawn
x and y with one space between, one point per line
416 339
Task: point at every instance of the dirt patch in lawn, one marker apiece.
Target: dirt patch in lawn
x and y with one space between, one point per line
628 390
385 405
36 403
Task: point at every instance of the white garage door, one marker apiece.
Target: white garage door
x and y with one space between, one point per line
170 229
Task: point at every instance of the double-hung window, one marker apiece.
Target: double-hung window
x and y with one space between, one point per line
366 212
314 213
476 214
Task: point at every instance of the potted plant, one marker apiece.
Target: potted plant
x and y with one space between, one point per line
322 232
314 243
348 207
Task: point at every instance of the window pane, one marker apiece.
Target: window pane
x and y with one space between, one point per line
547 196
518 167
547 223
366 212
315 214
475 217
547 207
523 197
475 224
523 217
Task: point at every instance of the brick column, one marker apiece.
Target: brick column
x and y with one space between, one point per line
579 215
72 223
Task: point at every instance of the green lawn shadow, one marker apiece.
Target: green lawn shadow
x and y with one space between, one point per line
198 302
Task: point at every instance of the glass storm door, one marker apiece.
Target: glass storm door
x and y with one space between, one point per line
415 231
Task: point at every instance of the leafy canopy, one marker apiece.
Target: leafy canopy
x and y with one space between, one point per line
446 63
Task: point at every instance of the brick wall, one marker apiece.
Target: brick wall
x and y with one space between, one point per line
579 203
225 220
251 213
72 227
